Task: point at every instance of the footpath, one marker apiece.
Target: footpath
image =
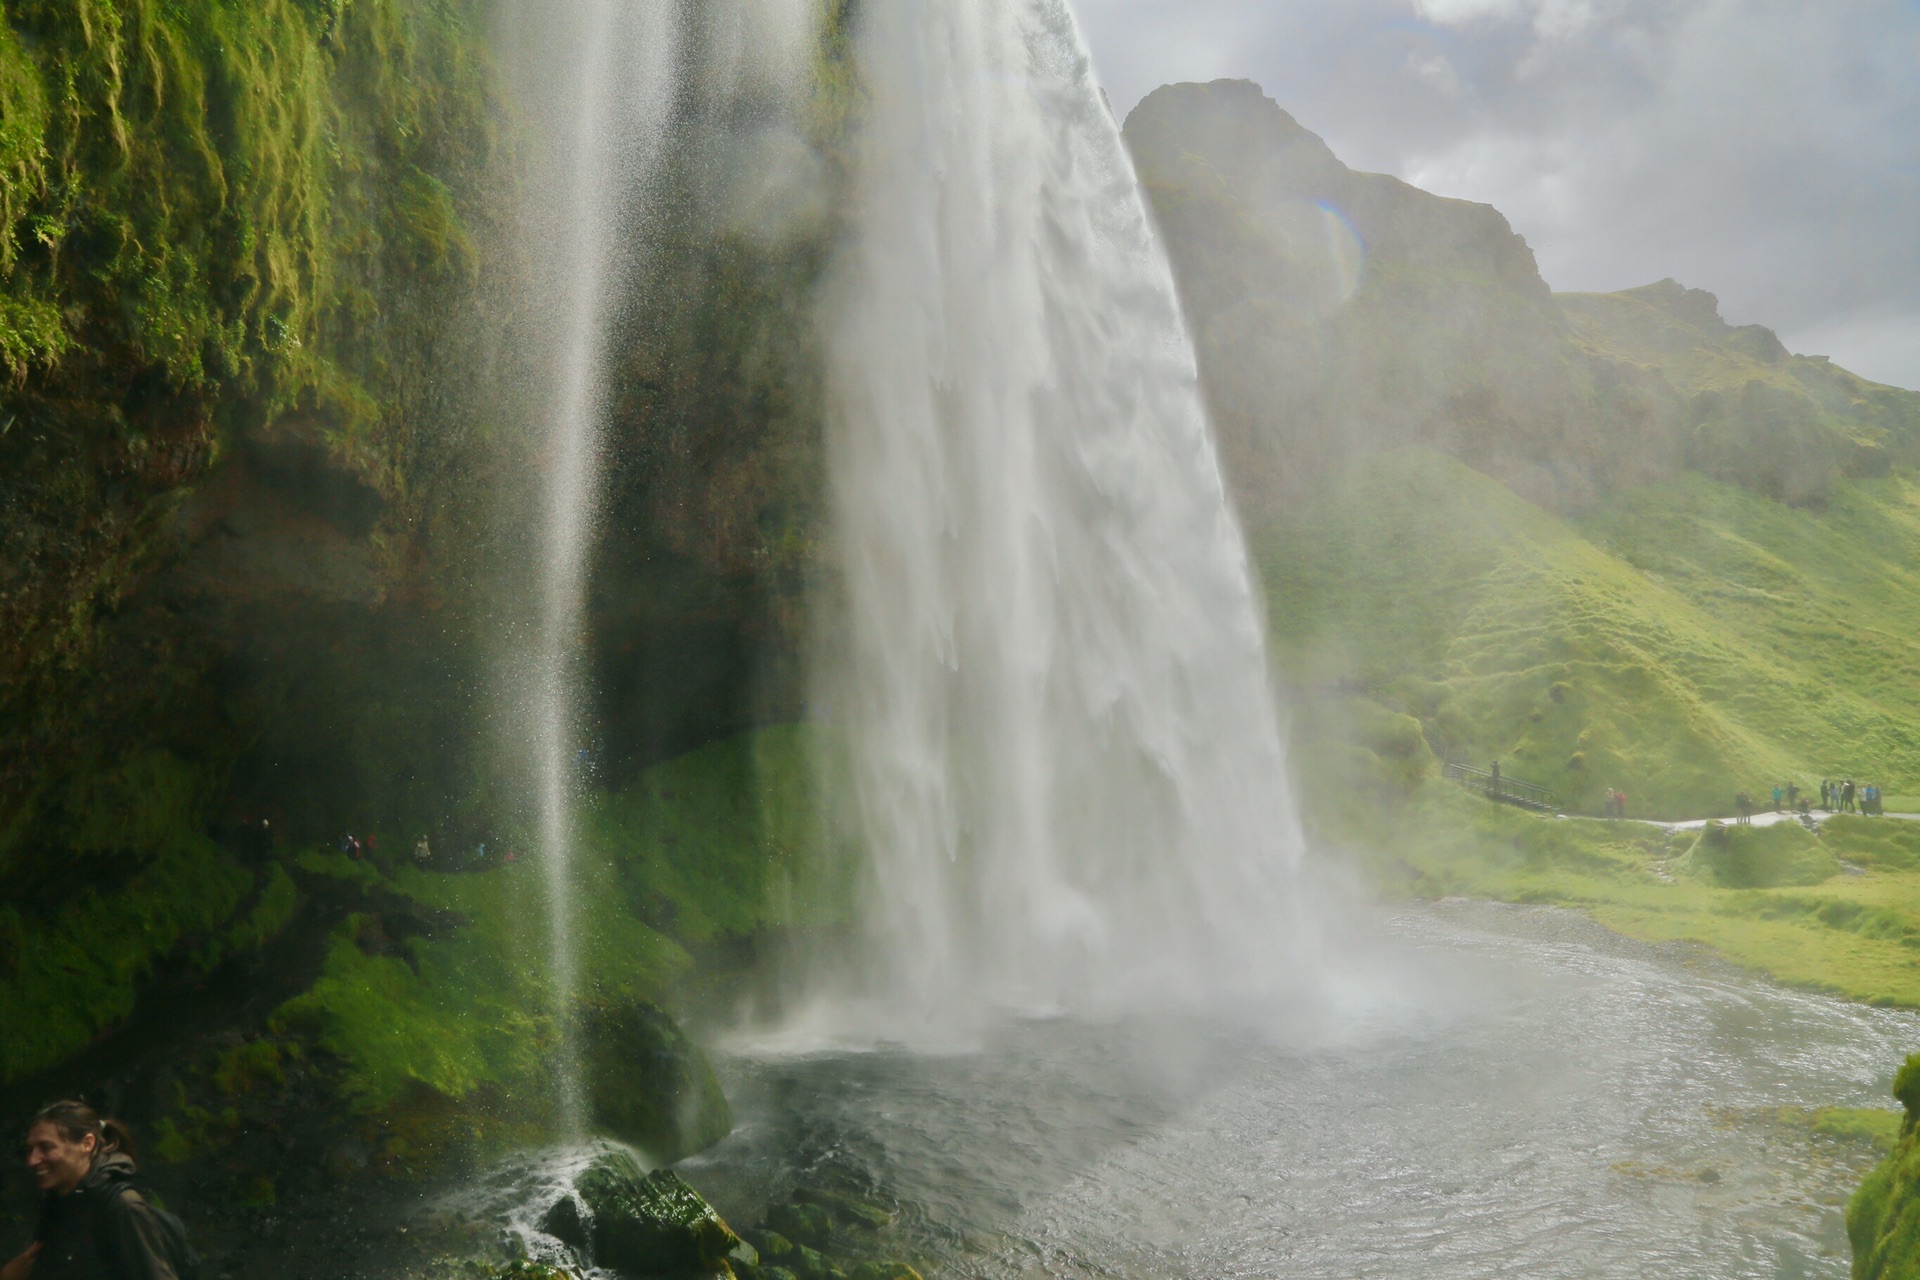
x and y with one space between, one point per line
1766 819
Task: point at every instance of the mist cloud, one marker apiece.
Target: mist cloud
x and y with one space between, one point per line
1765 150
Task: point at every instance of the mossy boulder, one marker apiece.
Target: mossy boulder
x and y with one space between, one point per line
1883 1218
651 1085
652 1223
806 1224
811 1264
845 1210
771 1246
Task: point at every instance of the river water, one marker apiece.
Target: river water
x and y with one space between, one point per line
1539 1098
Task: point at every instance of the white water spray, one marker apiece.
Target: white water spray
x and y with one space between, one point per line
595 80
1066 759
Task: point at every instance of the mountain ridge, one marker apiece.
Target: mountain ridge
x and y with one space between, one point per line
1441 332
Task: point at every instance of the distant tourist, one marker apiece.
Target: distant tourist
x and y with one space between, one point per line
1743 806
1779 797
1846 796
1793 795
93 1224
1826 795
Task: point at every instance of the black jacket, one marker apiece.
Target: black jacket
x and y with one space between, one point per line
101 1230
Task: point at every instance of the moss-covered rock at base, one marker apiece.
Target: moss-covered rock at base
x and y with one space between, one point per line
1883 1218
846 1210
811 1264
771 1245
883 1271
651 1085
805 1224
653 1223
524 1269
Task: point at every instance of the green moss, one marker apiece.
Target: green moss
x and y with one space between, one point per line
193 1131
451 1022
1883 1217
221 223
726 840
456 997
138 806
76 974
272 912
469 1006
248 1067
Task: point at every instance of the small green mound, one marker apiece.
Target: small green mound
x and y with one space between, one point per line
1858 1124
1735 857
1874 1127
1874 842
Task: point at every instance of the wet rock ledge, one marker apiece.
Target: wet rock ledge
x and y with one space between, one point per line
617 1217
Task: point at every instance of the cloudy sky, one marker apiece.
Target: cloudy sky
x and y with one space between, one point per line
1767 150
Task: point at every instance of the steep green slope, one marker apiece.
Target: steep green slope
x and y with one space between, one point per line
1681 641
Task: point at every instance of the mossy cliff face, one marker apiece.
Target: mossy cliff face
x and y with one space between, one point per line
267 462
231 242
237 262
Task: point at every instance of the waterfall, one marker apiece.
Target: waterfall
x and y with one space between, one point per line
1065 756
595 81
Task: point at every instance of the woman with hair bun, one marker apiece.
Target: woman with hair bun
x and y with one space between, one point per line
93 1224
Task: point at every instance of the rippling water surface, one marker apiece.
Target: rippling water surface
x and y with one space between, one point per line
1542 1099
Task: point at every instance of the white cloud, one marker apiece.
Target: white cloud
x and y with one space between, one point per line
1551 19
1880 345
1455 13
1438 72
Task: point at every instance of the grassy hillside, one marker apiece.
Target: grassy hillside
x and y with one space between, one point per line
1681 641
